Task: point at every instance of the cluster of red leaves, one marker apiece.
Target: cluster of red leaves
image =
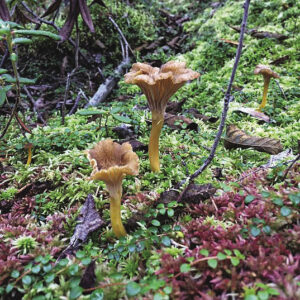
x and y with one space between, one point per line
270 257
19 222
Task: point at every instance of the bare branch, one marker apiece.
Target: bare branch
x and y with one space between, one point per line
227 99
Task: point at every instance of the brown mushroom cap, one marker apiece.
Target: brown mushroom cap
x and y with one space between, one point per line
112 161
160 84
28 146
265 71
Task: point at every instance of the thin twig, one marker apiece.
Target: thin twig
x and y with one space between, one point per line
71 112
18 88
227 99
63 107
290 166
280 88
76 44
30 98
121 34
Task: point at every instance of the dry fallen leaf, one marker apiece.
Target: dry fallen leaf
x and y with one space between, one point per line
236 138
254 113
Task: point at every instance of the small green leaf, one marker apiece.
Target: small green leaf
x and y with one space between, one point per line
97 295
158 296
21 41
15 274
38 33
13 57
89 112
177 228
172 204
251 297
162 211
4 30
36 269
9 288
167 290
75 292
131 247
273 292
80 254
265 194
277 201
121 118
63 262
213 263
73 269
235 261
285 211
204 252
49 277
13 24
155 223
228 252
295 198
132 289
86 261
266 229
27 80
185 268
47 268
263 295
166 241
255 231
238 254
3 71
170 212
249 199
26 280
221 256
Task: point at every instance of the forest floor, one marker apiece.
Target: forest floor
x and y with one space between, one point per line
234 234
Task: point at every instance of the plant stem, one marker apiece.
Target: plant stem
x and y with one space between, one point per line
266 87
29 157
157 124
115 209
18 90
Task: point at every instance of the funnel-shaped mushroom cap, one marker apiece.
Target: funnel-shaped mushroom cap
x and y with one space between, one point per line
160 84
265 71
111 161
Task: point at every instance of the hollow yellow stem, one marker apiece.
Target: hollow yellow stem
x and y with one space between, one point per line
264 98
115 210
157 124
29 157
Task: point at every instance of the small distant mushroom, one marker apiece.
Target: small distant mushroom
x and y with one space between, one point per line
111 162
267 74
158 85
29 147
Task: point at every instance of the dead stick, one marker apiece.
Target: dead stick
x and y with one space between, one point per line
290 166
121 34
63 107
227 100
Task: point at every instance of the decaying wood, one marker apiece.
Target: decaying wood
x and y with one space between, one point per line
105 89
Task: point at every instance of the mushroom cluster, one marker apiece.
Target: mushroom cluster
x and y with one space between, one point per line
111 162
158 85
